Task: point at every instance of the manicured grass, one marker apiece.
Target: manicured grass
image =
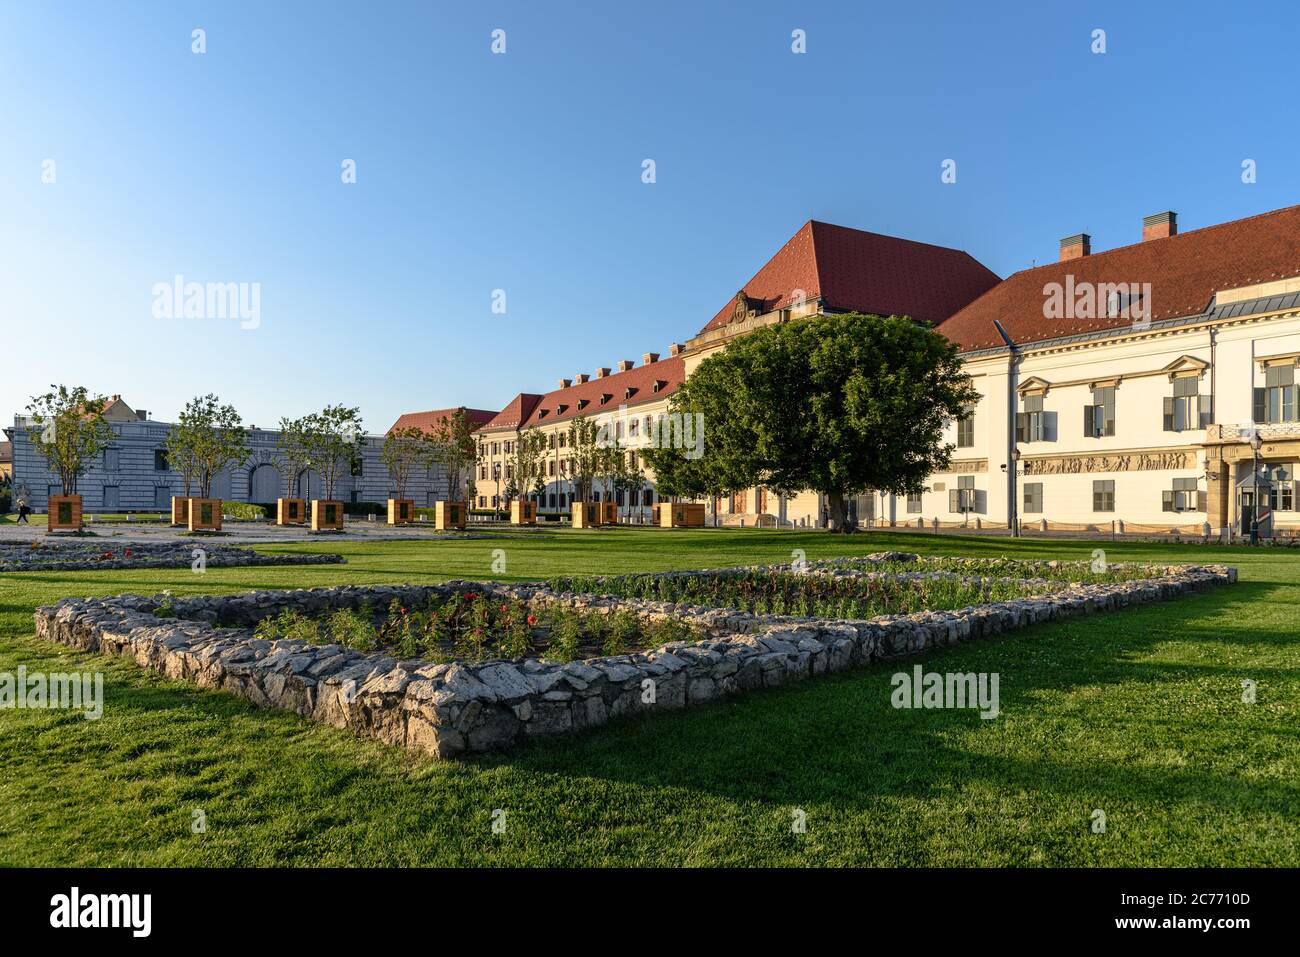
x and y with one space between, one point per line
1138 714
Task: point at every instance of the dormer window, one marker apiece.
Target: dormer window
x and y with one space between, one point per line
628 393
659 384
605 397
582 404
560 410
542 413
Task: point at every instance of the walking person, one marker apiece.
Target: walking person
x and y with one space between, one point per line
23 511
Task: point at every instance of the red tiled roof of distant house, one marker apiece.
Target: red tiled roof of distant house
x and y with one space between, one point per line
854 270
428 421
1184 270
634 387
520 407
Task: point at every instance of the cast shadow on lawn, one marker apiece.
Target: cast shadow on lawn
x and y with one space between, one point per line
839 740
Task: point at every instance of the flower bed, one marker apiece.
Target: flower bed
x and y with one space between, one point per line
79 556
353 667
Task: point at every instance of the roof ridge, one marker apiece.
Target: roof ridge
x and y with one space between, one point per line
1148 242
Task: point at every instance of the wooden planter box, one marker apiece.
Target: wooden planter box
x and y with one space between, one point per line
326 513
401 511
523 512
291 511
654 515
447 515
681 515
586 515
180 510
204 515
65 514
609 513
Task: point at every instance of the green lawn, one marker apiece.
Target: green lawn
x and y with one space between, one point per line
1138 713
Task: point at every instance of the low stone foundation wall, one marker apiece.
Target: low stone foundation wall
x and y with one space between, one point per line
78 556
445 710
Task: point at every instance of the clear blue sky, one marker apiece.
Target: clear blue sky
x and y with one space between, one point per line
523 172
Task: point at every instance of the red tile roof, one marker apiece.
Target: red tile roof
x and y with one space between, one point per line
631 388
850 269
520 407
429 420
1184 270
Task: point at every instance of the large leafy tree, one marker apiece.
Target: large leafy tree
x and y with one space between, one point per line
333 443
66 426
208 438
530 447
837 404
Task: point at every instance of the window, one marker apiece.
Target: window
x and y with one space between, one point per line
1031 424
1099 418
1276 402
162 497
966 429
160 460
1185 409
111 498
1103 495
1282 497
962 498
1033 498
1183 497
551 467
111 457
914 503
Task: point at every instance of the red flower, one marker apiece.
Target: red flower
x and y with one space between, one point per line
470 596
128 553
403 611
532 620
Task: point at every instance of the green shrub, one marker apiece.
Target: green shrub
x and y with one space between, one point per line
566 635
621 631
242 511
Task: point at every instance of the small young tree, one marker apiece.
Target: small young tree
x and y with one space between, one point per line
456 451
67 427
292 447
208 437
586 455
837 404
333 441
526 464
181 458
404 451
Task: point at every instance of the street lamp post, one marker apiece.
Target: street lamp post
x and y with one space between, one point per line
1255 443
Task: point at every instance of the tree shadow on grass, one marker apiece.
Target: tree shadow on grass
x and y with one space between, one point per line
839 740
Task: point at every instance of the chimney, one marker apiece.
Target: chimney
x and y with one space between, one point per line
675 349
1075 247
565 383
580 378
625 364
1160 225
649 357
142 415
602 372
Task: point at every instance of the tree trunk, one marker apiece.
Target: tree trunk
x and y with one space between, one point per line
835 520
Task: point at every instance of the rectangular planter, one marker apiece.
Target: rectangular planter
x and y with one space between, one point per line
586 515
326 513
654 515
447 515
65 513
681 515
609 513
204 515
180 510
523 512
401 511
291 511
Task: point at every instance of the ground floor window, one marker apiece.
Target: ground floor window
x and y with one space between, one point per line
1282 495
1182 497
1103 495
1033 497
914 503
111 498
